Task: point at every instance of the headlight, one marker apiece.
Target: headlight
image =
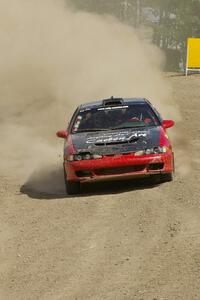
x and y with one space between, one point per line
87 156
155 150
83 156
77 157
139 153
163 149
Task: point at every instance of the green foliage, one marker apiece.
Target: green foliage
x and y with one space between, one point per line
173 22
178 20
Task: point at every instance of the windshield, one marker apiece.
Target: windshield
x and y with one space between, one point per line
111 118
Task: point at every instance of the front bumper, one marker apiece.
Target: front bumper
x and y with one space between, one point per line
119 167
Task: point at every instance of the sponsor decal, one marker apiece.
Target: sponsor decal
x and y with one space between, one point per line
112 107
122 136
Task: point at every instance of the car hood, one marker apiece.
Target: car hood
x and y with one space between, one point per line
116 141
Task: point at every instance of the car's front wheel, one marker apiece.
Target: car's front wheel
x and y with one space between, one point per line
72 187
166 177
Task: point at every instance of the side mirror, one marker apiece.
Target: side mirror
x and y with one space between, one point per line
62 134
167 123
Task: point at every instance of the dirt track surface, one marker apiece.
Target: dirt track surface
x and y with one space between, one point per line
115 241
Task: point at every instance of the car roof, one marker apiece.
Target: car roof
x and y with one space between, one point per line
112 100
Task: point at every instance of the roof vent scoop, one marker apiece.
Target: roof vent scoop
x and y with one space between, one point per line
113 101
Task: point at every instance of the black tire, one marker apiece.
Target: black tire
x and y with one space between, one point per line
167 177
72 187
154 179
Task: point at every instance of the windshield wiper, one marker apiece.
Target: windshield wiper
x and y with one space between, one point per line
90 130
126 127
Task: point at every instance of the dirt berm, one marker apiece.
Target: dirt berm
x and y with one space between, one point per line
115 241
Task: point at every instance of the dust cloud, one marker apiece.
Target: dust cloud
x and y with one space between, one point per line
53 58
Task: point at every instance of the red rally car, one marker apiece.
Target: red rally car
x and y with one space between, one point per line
116 138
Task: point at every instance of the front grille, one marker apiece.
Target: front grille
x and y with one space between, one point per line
119 170
157 166
83 173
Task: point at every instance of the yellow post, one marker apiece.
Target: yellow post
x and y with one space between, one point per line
193 55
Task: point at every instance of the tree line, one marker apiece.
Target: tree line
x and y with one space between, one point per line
172 21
